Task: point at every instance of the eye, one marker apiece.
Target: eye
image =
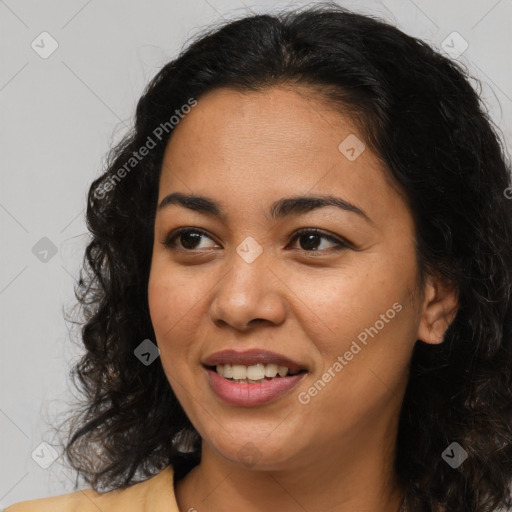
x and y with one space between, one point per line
310 238
188 238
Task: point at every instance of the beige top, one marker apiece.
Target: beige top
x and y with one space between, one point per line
156 494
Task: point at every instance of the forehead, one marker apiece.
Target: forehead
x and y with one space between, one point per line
291 121
259 146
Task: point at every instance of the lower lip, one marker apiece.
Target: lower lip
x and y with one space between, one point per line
246 394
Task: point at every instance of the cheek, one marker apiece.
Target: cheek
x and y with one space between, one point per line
361 386
375 325
167 302
366 314
176 301
171 297
342 304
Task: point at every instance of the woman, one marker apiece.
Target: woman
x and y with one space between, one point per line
297 292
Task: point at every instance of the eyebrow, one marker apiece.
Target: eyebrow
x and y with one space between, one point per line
282 208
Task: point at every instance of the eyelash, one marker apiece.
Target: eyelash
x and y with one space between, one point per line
170 240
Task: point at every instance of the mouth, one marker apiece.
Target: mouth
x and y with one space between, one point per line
253 377
253 361
253 374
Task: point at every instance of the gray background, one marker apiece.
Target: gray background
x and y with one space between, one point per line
59 116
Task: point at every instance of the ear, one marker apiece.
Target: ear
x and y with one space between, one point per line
438 311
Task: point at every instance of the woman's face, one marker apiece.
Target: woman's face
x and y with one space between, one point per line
348 315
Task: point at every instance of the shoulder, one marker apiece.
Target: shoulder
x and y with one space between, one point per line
155 493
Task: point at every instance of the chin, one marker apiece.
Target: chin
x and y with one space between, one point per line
241 445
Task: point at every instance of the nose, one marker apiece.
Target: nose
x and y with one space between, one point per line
247 295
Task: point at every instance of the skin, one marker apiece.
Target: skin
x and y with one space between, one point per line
247 150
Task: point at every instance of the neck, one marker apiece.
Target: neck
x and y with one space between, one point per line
357 475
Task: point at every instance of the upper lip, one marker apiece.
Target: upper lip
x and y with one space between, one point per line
251 357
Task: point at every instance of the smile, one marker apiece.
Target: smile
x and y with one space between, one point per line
249 392
253 374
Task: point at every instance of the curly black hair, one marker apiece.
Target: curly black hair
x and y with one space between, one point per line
422 117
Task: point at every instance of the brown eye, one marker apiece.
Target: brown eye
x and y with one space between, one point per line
310 239
188 238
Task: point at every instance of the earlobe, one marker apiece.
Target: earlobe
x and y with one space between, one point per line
439 310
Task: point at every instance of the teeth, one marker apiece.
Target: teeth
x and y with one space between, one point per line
253 373
239 371
270 370
256 372
227 372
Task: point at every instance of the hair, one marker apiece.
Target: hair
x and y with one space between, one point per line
422 118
